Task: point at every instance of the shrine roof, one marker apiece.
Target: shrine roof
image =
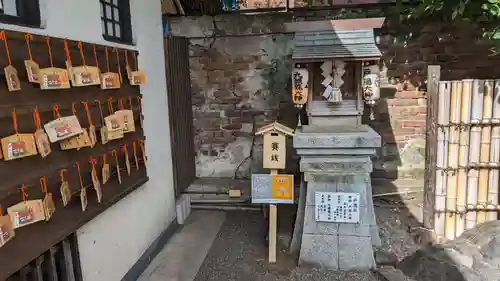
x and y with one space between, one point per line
275 127
336 43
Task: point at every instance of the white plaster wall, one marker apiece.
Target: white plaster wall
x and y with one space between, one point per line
112 242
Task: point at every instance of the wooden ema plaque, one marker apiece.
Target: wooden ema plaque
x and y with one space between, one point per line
115 125
137 78
85 76
106 174
6 230
54 78
95 180
13 83
42 143
32 70
49 207
26 213
41 138
127 116
18 146
64 189
84 199
76 142
63 128
110 80
65 193
12 78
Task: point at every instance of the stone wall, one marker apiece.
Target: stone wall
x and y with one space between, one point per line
240 69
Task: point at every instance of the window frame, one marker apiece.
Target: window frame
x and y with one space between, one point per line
29 14
124 21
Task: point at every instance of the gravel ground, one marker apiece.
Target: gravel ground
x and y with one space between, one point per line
239 251
398 228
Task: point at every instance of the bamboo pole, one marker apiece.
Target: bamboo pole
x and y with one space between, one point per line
443 120
463 160
474 148
453 147
477 102
484 154
494 174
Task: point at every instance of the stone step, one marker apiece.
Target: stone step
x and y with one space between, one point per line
217 185
218 198
324 108
390 273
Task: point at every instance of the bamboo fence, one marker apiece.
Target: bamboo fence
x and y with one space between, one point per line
467 161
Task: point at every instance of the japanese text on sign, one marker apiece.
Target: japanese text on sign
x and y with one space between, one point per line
299 89
272 189
274 151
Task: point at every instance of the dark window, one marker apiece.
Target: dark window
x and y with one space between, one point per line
115 20
20 12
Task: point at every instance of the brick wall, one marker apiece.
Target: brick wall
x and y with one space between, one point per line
230 60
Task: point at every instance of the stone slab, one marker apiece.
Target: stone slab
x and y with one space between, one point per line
339 120
355 253
320 250
350 184
357 136
374 231
311 226
325 108
336 165
336 151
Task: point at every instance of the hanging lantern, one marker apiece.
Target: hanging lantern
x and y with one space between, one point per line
300 77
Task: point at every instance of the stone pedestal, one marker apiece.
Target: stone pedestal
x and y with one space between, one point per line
336 158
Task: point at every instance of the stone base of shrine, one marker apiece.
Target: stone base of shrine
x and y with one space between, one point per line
338 161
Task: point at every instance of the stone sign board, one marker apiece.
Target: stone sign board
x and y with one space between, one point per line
337 207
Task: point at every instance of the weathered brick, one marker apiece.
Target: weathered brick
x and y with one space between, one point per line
206 114
413 123
233 113
232 126
409 94
402 102
208 123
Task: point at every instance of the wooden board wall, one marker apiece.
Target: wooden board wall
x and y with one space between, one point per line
30 241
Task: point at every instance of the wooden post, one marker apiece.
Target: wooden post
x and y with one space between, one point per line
274 158
433 74
273 224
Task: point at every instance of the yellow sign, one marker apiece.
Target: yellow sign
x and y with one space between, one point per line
282 187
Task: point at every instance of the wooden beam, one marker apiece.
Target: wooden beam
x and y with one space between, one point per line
433 77
368 23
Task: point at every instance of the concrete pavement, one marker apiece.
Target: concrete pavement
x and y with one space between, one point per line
183 255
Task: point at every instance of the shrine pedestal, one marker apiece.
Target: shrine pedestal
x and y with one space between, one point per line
336 164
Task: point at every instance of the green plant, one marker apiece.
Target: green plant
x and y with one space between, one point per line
484 12
277 79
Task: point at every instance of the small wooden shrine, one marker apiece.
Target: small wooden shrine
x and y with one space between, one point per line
336 70
336 65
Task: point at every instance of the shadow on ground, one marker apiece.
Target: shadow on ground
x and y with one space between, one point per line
239 252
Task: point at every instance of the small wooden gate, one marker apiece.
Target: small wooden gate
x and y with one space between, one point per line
180 111
463 154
